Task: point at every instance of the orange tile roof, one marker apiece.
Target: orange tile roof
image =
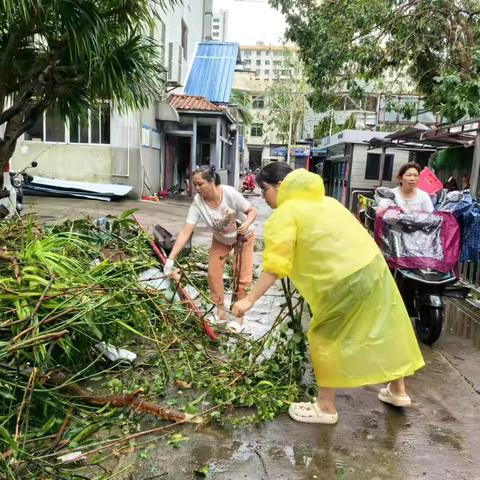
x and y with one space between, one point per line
190 102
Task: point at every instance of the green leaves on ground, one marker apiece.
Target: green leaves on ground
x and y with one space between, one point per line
77 284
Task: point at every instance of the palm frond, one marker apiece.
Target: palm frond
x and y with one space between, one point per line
241 102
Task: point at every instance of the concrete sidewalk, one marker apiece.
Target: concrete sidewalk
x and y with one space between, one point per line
439 438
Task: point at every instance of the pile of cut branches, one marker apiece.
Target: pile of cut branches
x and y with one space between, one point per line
65 291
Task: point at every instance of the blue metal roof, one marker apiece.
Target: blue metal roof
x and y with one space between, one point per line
211 75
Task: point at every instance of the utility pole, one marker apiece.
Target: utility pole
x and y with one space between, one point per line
475 172
290 124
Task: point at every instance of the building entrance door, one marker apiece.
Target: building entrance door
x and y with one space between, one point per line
254 158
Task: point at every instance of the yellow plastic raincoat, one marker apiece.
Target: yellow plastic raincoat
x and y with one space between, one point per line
360 333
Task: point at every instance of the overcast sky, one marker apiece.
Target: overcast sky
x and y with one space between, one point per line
250 21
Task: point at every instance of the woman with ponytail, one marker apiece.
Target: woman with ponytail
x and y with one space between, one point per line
228 214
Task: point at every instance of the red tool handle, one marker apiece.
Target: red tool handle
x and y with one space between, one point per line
182 293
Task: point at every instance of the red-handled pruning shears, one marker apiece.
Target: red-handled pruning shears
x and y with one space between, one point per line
182 293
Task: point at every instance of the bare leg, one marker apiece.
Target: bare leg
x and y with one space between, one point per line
216 266
326 400
397 387
246 270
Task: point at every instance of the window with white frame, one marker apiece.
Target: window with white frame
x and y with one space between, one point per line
92 128
258 102
50 127
256 130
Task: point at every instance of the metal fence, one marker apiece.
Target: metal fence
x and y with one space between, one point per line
462 319
470 273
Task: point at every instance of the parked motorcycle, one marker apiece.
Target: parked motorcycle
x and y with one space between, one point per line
249 182
422 290
11 193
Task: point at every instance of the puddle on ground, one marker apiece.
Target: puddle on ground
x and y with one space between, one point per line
445 436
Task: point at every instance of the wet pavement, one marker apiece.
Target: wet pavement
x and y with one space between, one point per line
438 438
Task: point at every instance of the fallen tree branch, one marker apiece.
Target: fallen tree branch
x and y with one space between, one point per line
27 397
14 262
34 312
131 400
37 340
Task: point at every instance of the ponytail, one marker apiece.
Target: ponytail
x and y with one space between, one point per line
208 173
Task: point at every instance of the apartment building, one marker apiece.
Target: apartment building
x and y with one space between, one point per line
220 26
262 65
266 61
371 112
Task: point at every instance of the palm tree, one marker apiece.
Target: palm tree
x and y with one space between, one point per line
74 53
241 103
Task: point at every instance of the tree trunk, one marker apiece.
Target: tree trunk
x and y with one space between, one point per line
9 141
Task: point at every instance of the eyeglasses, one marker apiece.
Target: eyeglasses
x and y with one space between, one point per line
265 189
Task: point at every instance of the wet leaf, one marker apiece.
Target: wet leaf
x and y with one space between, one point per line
202 471
177 439
182 384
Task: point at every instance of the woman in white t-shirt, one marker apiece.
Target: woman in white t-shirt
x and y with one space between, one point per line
219 207
407 195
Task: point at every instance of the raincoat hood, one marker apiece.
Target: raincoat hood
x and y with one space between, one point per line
301 185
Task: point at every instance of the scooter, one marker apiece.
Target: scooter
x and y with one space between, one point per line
249 182
11 193
423 290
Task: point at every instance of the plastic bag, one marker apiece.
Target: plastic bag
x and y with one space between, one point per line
418 239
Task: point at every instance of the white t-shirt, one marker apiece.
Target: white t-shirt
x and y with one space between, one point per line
421 202
222 220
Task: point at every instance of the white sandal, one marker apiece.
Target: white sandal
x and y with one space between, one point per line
235 327
387 396
310 412
214 320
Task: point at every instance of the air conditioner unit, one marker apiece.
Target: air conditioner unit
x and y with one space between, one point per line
175 62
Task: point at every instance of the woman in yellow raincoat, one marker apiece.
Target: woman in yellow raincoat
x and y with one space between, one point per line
360 333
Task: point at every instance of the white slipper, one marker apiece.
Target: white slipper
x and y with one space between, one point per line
235 327
214 320
310 413
387 396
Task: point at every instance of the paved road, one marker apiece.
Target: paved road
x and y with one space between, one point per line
439 438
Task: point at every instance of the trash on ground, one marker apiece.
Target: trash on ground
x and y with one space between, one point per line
115 354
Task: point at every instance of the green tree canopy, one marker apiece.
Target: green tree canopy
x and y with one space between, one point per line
286 98
240 103
435 43
74 53
327 126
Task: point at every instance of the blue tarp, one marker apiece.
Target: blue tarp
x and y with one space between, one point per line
211 75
